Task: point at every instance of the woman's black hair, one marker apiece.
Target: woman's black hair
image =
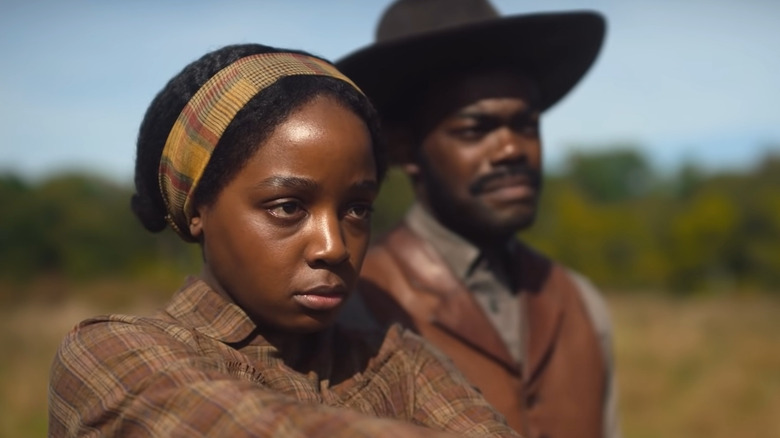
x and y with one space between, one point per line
249 128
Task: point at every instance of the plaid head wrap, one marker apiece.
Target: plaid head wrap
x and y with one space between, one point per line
207 115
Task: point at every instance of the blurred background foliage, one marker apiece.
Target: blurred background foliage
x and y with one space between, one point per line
689 260
608 214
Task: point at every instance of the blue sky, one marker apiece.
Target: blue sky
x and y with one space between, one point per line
695 80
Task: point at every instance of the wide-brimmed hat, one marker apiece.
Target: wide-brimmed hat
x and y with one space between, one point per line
418 41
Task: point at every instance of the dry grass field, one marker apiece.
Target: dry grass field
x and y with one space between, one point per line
698 367
692 367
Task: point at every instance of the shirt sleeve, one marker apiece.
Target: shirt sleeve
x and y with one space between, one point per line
445 400
599 315
116 378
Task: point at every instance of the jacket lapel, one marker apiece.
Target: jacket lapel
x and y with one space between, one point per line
455 310
540 289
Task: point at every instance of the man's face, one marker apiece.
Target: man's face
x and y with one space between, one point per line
478 168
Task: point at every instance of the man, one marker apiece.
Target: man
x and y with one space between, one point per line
461 91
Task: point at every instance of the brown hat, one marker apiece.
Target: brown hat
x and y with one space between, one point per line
419 41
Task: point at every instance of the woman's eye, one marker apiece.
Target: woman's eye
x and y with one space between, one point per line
286 209
360 211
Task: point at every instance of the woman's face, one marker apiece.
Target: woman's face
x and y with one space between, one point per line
285 239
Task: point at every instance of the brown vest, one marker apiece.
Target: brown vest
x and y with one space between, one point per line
560 391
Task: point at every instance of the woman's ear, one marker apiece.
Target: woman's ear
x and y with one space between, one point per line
196 225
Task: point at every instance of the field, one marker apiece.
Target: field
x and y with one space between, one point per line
698 367
687 367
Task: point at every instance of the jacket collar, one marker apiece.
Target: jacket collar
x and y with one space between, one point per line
458 253
458 313
541 283
456 310
198 306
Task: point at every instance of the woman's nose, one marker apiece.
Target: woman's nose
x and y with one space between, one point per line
327 245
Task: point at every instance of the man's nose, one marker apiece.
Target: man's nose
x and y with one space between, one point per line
510 146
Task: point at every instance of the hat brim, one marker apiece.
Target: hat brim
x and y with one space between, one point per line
554 49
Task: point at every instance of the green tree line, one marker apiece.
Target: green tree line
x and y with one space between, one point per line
613 217
607 214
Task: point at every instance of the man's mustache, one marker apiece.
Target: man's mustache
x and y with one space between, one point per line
512 170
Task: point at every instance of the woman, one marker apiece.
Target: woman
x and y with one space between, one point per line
270 160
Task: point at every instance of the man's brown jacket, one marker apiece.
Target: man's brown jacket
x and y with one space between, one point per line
558 393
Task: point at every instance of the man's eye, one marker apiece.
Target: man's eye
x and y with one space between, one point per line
286 209
528 128
526 124
472 131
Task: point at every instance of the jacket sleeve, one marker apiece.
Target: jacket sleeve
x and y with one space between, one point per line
113 378
445 400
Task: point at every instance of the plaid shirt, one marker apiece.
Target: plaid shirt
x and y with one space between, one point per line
201 368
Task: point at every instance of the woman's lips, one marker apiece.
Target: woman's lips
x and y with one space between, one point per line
321 298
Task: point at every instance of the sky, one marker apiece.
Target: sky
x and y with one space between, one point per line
685 81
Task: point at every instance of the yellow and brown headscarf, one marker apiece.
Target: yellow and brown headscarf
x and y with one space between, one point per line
207 115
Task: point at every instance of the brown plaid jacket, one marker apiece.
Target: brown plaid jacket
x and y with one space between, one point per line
200 368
